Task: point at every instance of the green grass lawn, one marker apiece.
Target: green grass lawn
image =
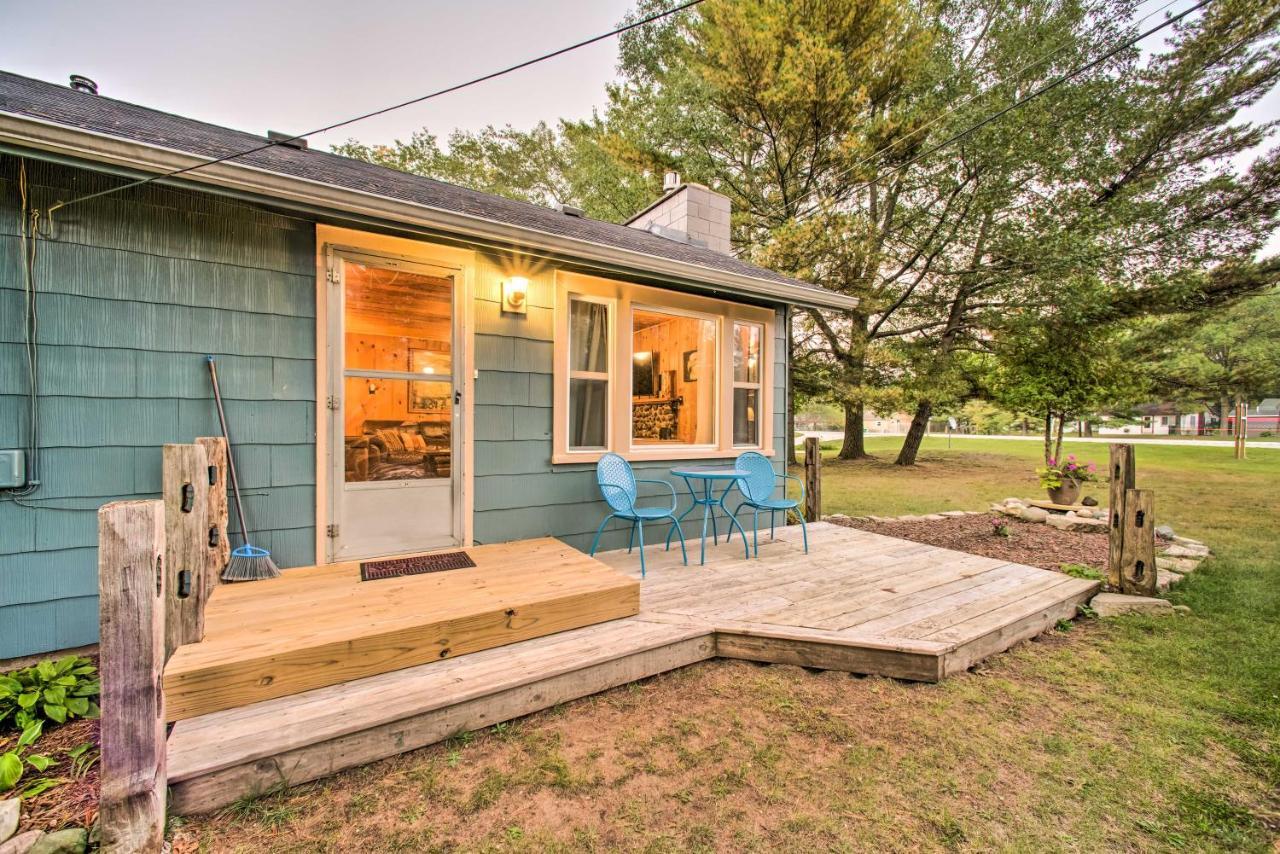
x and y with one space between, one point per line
1130 734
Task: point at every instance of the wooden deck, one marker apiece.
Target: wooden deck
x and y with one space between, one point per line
323 626
858 601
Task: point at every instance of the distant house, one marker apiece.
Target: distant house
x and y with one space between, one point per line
1261 419
891 424
408 364
1159 419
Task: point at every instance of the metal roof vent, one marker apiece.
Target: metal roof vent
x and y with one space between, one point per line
287 139
570 210
83 84
670 181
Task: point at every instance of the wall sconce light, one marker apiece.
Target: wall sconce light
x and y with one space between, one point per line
515 292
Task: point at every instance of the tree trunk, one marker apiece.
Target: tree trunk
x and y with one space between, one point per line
1087 432
855 444
1026 426
1048 438
1223 408
915 434
1057 445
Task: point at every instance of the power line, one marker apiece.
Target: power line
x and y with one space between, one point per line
384 110
975 96
1053 84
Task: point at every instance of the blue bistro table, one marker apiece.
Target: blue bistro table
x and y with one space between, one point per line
707 477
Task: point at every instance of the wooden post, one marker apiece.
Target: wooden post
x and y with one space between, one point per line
215 451
131 603
1122 475
186 526
1242 428
1138 558
812 479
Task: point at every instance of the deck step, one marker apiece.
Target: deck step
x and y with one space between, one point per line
215 758
321 626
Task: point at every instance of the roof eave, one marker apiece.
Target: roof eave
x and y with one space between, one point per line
65 140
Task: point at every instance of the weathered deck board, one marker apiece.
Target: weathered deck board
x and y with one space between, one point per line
858 601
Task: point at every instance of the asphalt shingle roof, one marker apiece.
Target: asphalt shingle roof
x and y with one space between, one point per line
64 106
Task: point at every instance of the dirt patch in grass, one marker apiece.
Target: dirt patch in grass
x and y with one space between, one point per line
74 801
1030 543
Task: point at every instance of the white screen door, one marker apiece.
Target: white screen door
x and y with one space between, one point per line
394 407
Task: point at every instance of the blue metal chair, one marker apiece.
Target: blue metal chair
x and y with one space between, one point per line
618 485
757 491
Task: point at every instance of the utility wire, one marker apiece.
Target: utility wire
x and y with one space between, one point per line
1053 84
968 99
384 110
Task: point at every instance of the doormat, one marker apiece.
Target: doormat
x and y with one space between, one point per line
396 567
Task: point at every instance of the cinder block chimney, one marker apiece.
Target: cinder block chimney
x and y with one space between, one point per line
689 213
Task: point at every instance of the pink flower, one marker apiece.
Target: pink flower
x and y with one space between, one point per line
1052 461
1093 467
1071 456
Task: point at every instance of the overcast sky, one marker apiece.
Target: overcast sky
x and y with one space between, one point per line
292 65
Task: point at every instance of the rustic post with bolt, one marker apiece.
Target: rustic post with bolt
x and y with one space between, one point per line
812 479
1138 555
1122 476
131 597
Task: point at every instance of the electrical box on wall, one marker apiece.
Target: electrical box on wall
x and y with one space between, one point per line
13 469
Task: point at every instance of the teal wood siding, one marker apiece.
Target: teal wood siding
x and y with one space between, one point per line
518 492
135 289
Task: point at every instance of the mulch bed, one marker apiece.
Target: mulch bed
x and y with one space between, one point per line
75 800
1031 543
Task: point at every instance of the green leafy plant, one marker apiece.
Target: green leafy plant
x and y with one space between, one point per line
12 762
1079 570
54 690
1056 472
1001 528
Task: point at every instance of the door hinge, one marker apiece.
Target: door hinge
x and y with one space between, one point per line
334 403
331 268
331 531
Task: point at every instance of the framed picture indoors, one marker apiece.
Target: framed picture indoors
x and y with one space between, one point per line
692 363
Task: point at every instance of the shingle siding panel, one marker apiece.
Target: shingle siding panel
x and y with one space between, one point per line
134 292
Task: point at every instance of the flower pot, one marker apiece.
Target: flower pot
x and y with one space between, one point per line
1068 493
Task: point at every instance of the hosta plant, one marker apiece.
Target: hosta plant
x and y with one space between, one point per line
52 690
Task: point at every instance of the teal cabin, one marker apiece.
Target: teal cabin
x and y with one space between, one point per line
406 364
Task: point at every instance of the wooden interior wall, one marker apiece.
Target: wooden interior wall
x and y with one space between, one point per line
389 313
669 339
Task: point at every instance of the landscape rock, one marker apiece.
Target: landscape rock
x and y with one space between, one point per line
10 810
1185 551
1034 514
1182 565
1165 531
71 841
935 517
1009 501
910 519
1166 578
1072 522
838 518
1182 609
1089 501
1117 604
22 843
954 513
1187 541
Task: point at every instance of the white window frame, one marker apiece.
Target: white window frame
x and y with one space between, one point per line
718 323
611 324
758 385
624 298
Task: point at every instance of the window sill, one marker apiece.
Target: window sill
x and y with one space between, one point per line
648 456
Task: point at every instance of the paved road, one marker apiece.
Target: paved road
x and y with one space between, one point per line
835 436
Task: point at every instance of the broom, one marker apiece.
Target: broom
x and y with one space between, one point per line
248 562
